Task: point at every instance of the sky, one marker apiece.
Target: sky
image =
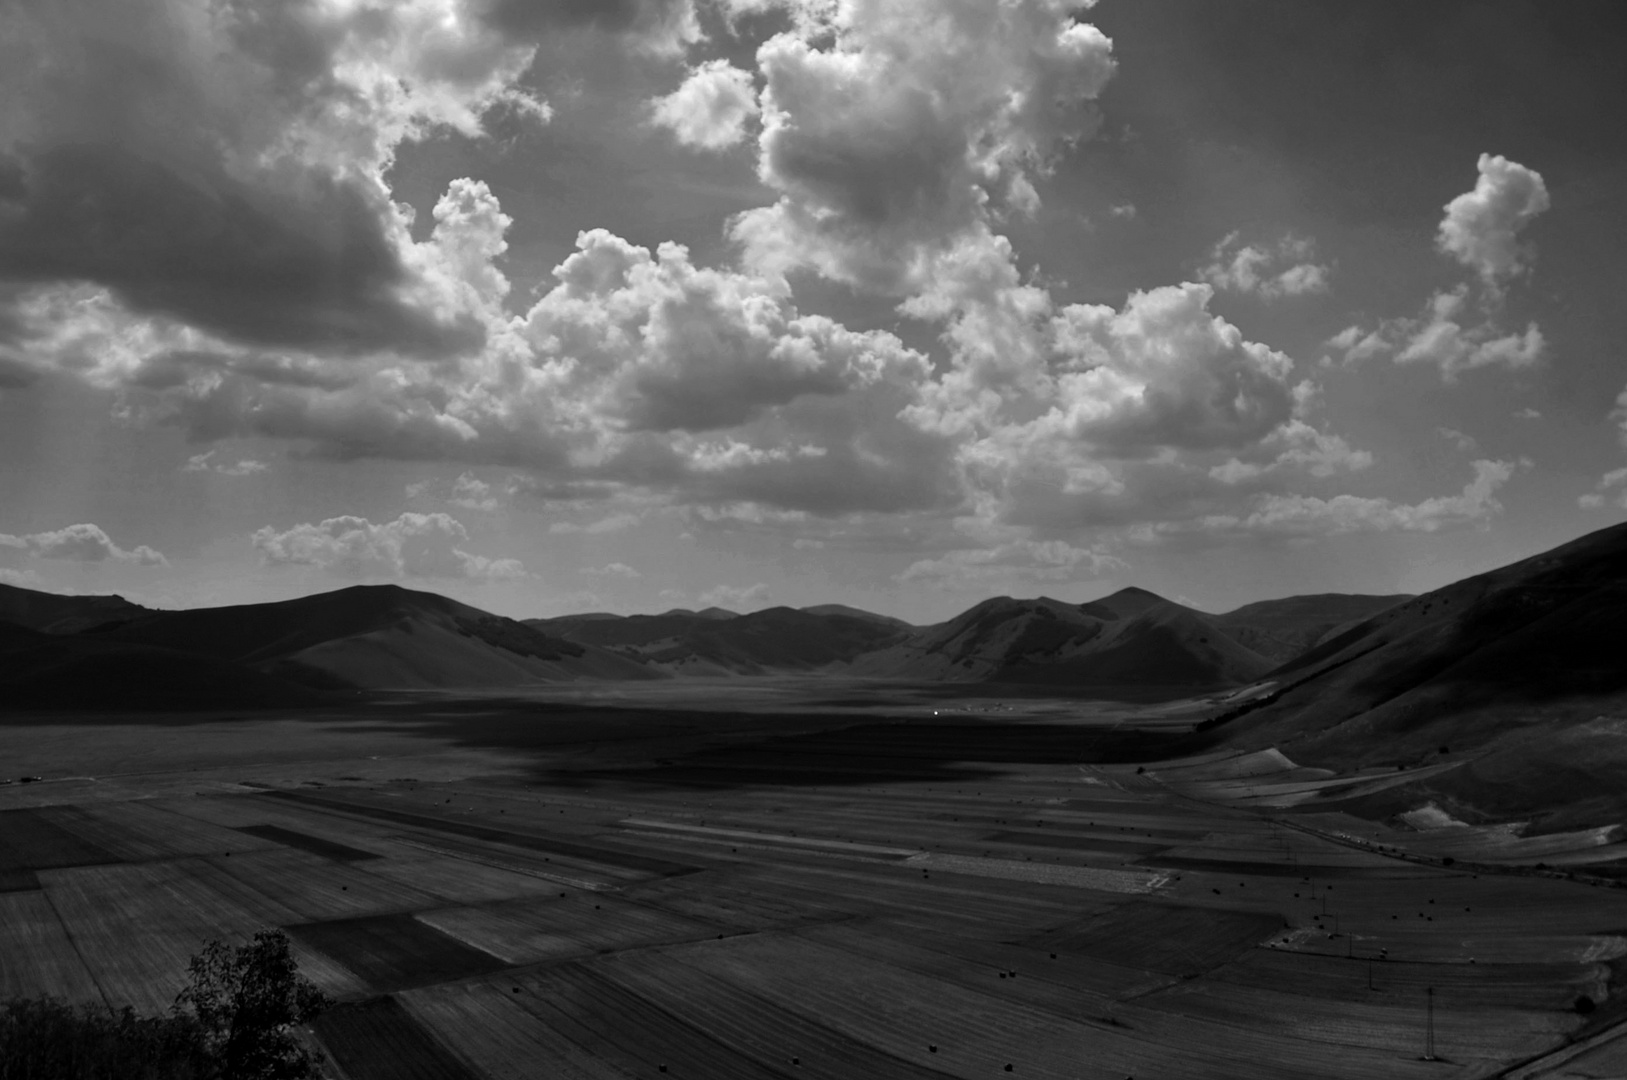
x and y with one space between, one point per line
624 305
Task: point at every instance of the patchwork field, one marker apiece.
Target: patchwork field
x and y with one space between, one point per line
852 888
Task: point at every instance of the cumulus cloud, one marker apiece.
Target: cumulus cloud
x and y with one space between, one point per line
413 545
1611 490
1306 516
1480 230
893 131
1481 227
1440 338
612 570
712 107
22 579
82 543
1447 336
467 492
223 165
735 597
205 462
1457 438
897 138
610 524
471 493
1011 563
1270 271
1295 447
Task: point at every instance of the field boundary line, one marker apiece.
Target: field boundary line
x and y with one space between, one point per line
1532 1068
769 838
499 864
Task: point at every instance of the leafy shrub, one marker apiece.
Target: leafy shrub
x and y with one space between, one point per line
233 1021
46 1039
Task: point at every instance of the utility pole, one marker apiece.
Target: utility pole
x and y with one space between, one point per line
1429 1031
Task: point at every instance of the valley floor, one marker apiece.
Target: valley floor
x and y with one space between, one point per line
570 889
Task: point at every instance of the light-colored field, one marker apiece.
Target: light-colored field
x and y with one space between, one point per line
554 890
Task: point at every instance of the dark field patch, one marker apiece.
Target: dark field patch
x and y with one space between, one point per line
915 751
30 842
1076 843
380 1040
395 952
629 1031
18 881
1168 938
1280 869
316 845
627 860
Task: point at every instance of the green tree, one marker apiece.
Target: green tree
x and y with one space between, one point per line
247 1000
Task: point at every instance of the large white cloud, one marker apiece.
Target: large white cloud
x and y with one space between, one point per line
1481 227
224 164
891 130
1268 270
898 135
1447 335
82 543
413 545
1306 516
1440 338
711 108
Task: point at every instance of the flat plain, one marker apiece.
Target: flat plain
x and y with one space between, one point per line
803 879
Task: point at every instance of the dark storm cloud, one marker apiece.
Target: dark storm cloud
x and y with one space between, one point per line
311 268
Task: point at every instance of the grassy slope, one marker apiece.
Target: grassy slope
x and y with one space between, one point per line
1521 668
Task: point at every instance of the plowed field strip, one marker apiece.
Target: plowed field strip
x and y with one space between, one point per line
36 955
978 1034
1174 939
29 840
788 840
753 1025
1388 1022
528 931
631 1032
458 881
996 907
726 904
1057 981
1080 877
380 1040
481 1022
135 936
571 872
1337 978
316 845
139 830
608 856
394 952
1278 868
315 888
1076 842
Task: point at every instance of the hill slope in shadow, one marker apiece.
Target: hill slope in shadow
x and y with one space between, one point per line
1521 669
1133 637
774 640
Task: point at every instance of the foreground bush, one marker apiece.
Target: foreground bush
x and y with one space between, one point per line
48 1040
233 1021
